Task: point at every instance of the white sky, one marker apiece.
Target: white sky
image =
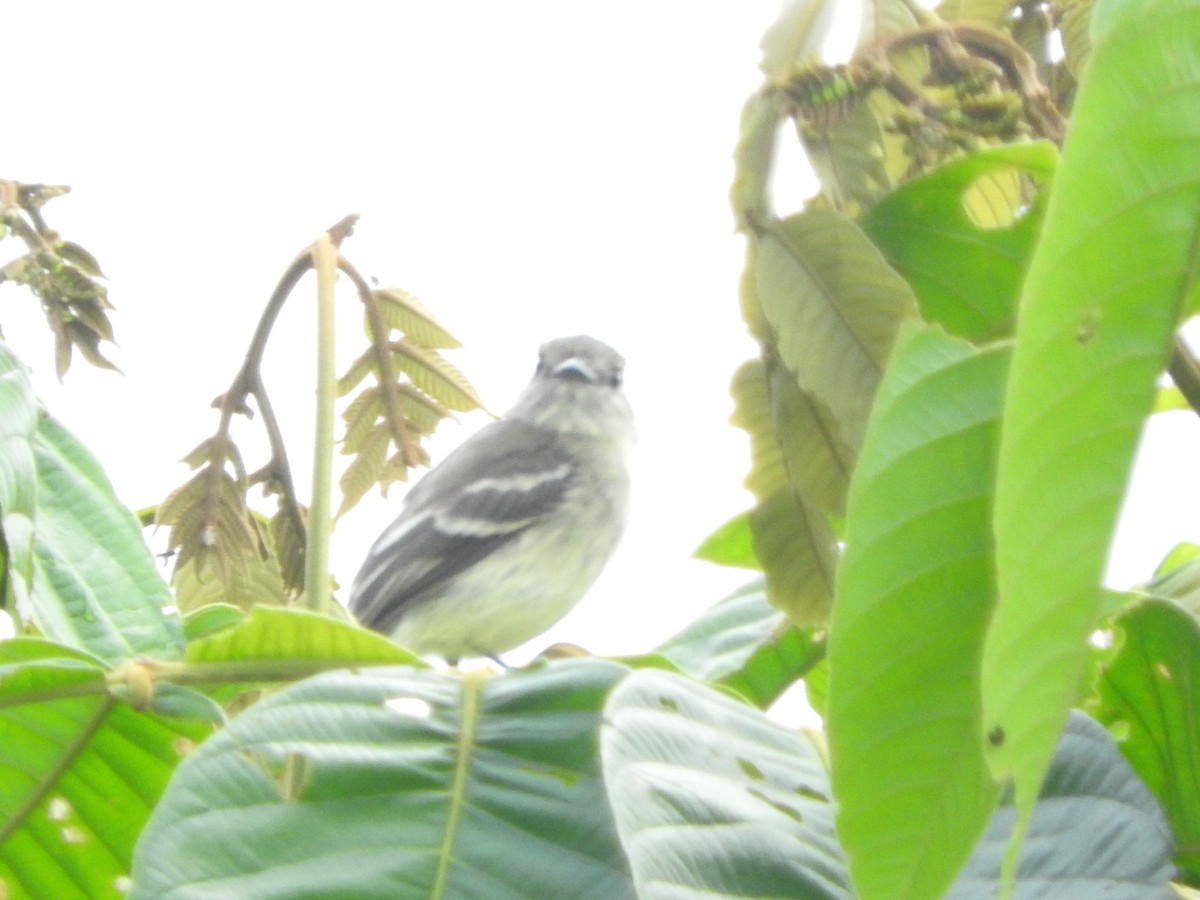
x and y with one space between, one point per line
527 169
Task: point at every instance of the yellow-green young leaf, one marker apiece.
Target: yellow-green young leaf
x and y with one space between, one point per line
817 460
1170 399
752 313
792 540
404 312
798 551
217 448
182 505
796 36
732 544
1109 281
752 414
273 634
363 366
834 305
210 523
256 583
397 467
881 18
421 411
848 156
366 469
797 445
754 154
360 416
210 619
989 12
435 376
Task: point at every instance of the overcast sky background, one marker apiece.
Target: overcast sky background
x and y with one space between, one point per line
528 170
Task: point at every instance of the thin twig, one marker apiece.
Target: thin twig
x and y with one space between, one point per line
248 381
1184 370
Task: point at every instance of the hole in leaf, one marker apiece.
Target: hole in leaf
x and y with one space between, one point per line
996 200
807 792
750 770
782 807
57 809
1101 638
410 707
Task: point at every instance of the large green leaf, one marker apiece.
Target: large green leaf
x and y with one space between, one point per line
834 305
966 275
396 783
1150 692
746 644
915 592
712 799
80 568
79 773
1111 276
1095 832
18 421
95 583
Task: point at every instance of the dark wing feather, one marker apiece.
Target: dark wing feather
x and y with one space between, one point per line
452 519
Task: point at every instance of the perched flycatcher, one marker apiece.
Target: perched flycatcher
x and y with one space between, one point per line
503 537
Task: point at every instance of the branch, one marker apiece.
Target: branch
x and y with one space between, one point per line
249 383
952 40
1184 370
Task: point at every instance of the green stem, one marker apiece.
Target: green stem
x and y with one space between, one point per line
316 576
242 671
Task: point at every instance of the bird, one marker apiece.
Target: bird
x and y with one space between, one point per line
503 537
